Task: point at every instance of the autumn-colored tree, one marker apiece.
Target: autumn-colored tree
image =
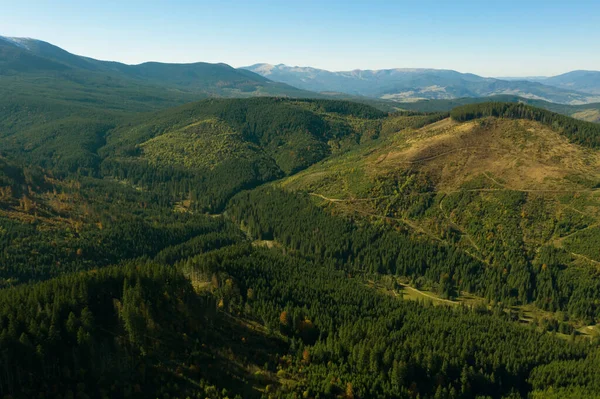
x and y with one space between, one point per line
306 324
27 204
284 318
306 356
349 391
5 193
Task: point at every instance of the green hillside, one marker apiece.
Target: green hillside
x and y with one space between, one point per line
516 195
287 248
58 135
25 56
217 147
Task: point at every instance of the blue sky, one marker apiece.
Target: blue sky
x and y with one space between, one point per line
486 37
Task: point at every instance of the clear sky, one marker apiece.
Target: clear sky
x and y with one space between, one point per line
486 37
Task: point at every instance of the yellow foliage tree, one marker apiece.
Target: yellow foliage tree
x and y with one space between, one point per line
349 391
27 204
5 193
306 356
284 318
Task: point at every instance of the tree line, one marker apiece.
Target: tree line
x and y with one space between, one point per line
580 132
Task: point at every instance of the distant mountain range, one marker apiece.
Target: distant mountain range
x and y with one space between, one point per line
583 81
409 84
30 67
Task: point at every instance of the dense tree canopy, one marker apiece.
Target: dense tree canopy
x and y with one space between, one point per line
133 265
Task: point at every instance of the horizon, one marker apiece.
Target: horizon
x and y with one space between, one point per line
509 40
306 66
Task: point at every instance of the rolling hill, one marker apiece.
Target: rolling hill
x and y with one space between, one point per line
262 246
410 84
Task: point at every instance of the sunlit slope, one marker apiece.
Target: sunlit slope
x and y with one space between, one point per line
502 189
590 115
214 148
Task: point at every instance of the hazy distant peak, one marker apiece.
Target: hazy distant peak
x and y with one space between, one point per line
18 41
262 69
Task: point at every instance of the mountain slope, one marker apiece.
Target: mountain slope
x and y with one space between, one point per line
29 66
514 194
583 81
143 255
218 147
405 84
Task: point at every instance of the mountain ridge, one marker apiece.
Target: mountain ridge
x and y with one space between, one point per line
582 80
28 65
406 84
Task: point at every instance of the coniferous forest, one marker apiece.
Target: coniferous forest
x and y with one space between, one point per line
164 276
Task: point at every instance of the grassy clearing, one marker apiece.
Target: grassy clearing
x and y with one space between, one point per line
266 244
590 115
525 313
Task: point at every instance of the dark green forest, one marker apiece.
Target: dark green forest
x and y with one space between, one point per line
381 250
154 255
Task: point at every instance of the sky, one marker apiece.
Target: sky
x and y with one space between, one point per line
486 37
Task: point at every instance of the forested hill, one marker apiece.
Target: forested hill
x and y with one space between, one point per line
580 132
287 248
39 69
515 187
586 112
215 148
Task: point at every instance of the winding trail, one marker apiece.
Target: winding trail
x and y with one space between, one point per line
494 180
402 220
457 227
576 210
446 192
560 240
349 199
585 258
